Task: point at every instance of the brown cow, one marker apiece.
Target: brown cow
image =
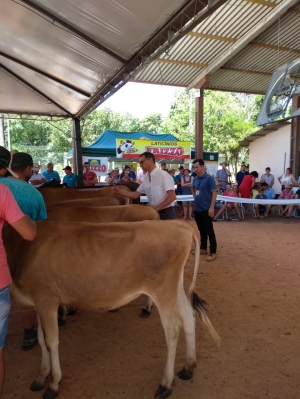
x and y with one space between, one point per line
90 276
98 201
130 213
57 194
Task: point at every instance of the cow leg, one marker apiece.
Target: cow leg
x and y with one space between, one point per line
50 328
171 324
40 381
146 311
187 317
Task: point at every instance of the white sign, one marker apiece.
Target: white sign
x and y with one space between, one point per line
97 164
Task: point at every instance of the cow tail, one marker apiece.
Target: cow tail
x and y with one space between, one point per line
197 303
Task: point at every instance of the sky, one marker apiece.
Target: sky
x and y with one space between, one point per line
141 99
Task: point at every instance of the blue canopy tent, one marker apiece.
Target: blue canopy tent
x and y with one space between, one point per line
105 144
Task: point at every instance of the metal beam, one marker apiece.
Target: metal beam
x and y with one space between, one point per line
15 76
47 75
187 18
263 25
76 32
77 150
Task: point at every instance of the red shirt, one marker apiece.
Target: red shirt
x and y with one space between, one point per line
9 212
90 176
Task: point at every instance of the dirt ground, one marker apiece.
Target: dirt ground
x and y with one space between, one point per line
253 293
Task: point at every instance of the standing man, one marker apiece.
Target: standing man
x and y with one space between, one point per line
205 194
179 188
241 174
12 214
50 173
157 185
164 167
222 175
90 178
70 180
37 179
32 204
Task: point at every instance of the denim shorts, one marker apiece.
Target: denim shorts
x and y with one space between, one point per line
4 312
187 202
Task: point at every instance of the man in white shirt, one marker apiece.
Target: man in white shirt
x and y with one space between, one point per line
157 185
37 179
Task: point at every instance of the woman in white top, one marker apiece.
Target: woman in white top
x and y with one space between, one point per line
287 179
267 177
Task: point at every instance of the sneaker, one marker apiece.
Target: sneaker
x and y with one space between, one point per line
211 257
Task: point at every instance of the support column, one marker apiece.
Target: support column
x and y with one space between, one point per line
77 152
295 138
199 109
2 140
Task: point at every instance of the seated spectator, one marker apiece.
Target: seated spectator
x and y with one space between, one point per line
236 189
186 184
254 191
259 208
270 194
267 177
125 175
287 179
293 206
70 180
112 177
50 174
286 194
231 193
219 205
37 179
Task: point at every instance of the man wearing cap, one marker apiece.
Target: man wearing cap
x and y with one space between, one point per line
70 180
157 185
89 177
12 214
241 174
37 179
222 175
32 204
50 174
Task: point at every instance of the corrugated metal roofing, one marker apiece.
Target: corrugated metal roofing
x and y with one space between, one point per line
60 57
248 71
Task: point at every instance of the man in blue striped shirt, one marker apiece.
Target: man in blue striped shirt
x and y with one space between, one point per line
50 174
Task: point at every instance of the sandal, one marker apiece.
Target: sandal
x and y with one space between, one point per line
229 219
29 343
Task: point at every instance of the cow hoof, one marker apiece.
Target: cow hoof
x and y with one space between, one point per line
184 375
49 394
61 322
35 386
163 392
145 314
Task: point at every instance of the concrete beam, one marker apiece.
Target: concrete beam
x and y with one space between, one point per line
262 26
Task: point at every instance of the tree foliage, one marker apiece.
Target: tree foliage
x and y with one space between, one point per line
228 118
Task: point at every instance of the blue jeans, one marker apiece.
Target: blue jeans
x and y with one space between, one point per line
4 312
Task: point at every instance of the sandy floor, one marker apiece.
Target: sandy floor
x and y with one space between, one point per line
253 292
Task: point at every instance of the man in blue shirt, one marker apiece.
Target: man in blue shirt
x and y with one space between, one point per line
70 180
51 174
205 194
222 175
241 174
270 194
31 202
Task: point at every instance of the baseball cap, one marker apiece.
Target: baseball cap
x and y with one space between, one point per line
21 160
35 167
67 168
5 160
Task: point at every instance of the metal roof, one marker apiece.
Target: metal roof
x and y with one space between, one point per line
66 57
238 46
272 127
